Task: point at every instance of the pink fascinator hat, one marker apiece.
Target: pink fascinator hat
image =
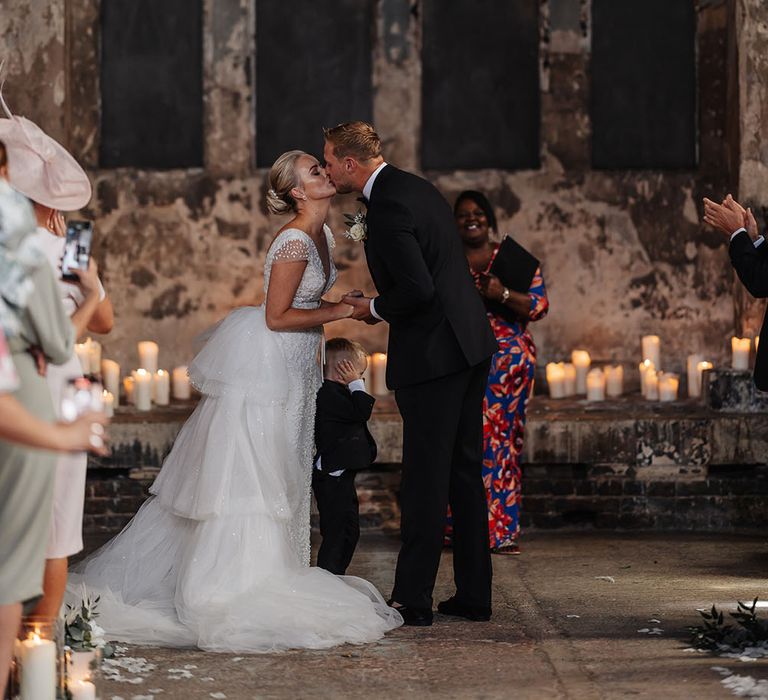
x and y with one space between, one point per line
40 167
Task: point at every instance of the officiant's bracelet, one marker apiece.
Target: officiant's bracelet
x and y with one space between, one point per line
504 296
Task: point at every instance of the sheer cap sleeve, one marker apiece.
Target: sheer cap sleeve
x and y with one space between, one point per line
290 246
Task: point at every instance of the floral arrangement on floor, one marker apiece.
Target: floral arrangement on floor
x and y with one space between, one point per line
749 634
81 633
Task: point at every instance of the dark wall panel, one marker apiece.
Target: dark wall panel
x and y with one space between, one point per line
643 84
151 83
313 69
480 89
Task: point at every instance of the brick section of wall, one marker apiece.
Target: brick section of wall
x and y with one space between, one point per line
731 498
554 496
111 502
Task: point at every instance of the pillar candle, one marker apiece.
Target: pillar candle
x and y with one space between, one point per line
37 658
181 387
109 403
569 380
595 385
80 665
694 375
581 361
128 385
651 385
740 348
556 380
644 367
379 373
83 353
148 352
162 388
614 380
652 349
82 690
757 342
142 389
668 385
94 352
110 375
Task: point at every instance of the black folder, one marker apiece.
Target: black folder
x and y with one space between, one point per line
514 266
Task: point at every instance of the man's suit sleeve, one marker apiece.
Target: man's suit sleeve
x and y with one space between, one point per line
396 246
751 264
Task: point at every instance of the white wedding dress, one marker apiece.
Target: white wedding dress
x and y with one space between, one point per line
219 557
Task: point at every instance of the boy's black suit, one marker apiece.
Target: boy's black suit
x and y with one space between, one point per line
751 265
440 345
342 437
343 441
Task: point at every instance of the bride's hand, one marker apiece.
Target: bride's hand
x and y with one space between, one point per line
344 311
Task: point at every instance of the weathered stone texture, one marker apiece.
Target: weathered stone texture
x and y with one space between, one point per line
623 253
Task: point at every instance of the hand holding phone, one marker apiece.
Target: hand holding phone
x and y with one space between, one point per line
77 249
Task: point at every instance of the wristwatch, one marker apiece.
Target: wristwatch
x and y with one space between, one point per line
504 296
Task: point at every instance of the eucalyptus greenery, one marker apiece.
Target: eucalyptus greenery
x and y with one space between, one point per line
717 634
81 633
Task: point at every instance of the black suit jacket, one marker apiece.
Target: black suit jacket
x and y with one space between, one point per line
751 265
437 321
342 438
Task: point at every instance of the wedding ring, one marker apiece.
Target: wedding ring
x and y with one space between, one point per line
96 442
97 428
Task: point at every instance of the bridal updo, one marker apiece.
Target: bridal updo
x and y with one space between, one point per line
282 179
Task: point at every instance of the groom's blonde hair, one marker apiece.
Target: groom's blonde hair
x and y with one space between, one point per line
358 140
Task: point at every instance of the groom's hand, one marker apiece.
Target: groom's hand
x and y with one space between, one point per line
361 305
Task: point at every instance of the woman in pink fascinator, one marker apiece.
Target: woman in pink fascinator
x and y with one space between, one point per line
46 173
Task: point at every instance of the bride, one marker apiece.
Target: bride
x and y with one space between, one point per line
218 557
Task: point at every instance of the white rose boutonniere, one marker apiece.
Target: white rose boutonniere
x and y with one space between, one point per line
358 229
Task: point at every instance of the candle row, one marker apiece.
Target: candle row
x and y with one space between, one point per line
572 378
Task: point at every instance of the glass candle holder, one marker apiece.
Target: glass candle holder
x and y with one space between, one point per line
82 676
35 672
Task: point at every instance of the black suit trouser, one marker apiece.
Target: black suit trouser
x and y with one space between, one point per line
442 464
338 507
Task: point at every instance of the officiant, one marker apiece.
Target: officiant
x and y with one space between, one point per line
511 284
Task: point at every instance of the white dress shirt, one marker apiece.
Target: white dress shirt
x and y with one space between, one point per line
367 194
757 242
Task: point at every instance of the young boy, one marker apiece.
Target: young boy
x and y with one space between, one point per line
344 445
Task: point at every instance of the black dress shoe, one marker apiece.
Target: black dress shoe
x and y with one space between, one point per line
413 617
456 608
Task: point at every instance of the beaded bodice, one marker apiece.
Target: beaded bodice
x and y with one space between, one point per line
302 350
294 245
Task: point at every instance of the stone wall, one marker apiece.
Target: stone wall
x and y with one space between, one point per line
623 252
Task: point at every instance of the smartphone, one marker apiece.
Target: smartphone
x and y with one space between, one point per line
77 249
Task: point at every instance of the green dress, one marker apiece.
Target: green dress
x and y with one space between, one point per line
26 475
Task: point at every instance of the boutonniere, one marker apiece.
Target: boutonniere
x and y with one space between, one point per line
358 228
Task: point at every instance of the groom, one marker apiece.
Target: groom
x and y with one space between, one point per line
440 345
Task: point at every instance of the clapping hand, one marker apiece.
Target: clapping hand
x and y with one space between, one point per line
729 216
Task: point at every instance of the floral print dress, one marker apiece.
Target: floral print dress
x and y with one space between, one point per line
506 398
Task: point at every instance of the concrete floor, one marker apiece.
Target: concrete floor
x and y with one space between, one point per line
558 631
